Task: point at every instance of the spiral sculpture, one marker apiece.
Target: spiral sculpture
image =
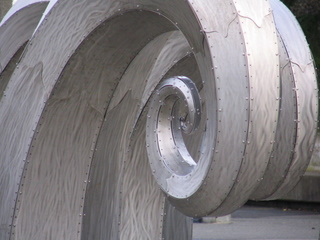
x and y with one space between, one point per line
123 119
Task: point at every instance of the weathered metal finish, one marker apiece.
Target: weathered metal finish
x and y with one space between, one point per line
301 65
230 165
48 146
136 186
105 87
174 111
16 29
282 154
263 97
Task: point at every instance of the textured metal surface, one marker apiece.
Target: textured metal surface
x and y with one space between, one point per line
16 28
263 97
306 94
19 7
89 128
174 220
230 166
57 153
282 154
175 110
135 186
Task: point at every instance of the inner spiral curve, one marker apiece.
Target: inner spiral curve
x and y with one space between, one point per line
175 110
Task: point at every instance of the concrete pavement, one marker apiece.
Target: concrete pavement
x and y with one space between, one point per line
257 223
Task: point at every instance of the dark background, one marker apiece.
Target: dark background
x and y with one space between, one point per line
307 13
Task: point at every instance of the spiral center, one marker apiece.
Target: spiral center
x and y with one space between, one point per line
175 110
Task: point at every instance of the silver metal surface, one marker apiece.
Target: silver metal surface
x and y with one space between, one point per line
19 7
175 109
61 151
306 112
16 28
286 133
112 100
230 165
263 84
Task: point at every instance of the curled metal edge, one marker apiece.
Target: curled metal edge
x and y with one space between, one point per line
264 87
40 98
159 55
19 5
282 153
260 126
307 95
201 191
17 27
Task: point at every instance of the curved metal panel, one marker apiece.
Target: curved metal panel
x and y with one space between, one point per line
106 87
282 154
50 157
22 5
263 75
16 28
306 94
135 186
302 119
235 171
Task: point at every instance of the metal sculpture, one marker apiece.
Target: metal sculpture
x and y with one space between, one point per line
16 28
111 100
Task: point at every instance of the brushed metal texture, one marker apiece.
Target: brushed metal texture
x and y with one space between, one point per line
19 7
263 87
286 133
139 187
140 211
16 28
306 90
231 165
173 220
62 87
80 144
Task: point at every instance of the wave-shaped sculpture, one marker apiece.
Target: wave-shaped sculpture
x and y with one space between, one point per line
120 113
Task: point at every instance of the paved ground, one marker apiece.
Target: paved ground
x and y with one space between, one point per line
257 223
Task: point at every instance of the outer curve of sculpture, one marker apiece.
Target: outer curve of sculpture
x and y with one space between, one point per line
123 119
